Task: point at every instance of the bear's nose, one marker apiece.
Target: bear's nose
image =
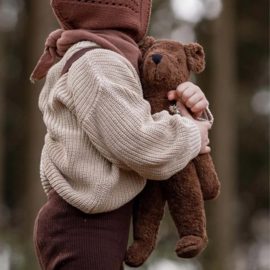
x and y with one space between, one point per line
157 58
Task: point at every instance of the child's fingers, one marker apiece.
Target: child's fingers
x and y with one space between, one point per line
188 93
172 95
207 150
182 87
183 110
178 93
207 125
200 106
192 101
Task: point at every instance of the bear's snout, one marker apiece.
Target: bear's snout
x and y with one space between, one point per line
157 58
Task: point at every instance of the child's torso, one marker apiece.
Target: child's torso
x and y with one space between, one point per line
70 163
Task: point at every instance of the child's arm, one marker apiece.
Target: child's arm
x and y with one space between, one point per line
109 103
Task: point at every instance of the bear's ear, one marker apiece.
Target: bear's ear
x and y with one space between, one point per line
195 57
146 45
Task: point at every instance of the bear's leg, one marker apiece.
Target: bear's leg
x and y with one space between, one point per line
208 178
186 205
148 212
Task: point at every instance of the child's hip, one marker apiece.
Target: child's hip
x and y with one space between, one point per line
71 239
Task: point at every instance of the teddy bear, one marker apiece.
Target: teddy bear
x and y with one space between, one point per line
166 64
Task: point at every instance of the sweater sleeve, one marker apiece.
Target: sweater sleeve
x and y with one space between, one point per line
109 103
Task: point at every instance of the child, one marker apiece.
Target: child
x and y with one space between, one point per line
102 142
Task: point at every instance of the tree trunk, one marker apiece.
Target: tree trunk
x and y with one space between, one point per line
2 104
223 61
40 23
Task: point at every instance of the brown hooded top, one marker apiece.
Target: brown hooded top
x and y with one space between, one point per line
116 25
128 16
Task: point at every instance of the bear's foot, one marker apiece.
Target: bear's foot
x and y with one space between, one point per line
190 246
138 253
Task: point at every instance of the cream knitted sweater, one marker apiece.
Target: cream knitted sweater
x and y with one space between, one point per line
102 142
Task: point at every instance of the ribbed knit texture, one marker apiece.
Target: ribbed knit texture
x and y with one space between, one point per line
129 16
66 238
102 141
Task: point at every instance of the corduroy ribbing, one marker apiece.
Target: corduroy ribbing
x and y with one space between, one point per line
102 141
67 238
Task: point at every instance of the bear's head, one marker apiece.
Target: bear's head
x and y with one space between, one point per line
166 64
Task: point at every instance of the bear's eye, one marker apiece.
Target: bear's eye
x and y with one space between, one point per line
179 61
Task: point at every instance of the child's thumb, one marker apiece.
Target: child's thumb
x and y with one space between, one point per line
183 110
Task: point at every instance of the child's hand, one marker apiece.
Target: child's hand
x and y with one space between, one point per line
203 127
191 96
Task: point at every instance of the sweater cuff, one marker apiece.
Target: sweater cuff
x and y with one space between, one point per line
194 140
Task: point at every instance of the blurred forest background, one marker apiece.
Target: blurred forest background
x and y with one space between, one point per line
235 36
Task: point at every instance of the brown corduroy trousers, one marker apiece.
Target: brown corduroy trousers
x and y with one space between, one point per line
68 239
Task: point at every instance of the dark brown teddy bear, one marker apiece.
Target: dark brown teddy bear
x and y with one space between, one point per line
165 65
